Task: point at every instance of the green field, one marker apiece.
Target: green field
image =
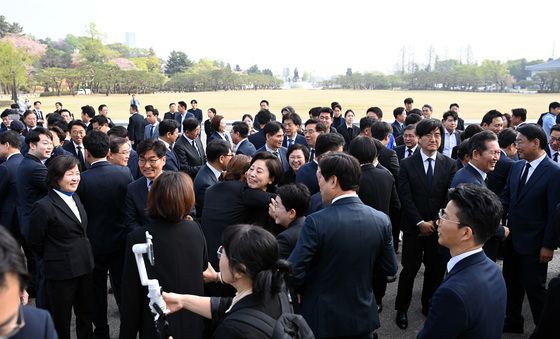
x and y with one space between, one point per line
233 104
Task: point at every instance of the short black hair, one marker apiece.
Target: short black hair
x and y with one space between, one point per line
315 111
555 128
327 142
319 126
471 130
7 112
265 101
272 128
532 132
398 111
134 107
463 149
408 101
168 126
190 124
335 104
216 148
426 126
240 127
273 165
366 122
506 137
295 196
149 108
490 116
452 114
11 138
100 107
294 147
115 143
118 131
363 148
520 113
478 141
380 130
100 120
327 110
344 167
478 208
77 123
553 105
151 145
36 102
454 105
90 111
97 143
52 118
412 119
193 101
11 260
375 110
57 129
34 135
28 112
57 167
182 104
296 119
263 117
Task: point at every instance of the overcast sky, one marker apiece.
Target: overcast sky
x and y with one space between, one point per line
322 37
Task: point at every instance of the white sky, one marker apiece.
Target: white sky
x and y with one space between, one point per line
322 37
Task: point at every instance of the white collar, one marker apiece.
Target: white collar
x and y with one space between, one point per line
9 156
344 196
216 172
478 170
537 161
454 260
425 157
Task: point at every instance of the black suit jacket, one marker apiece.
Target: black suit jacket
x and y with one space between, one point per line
136 125
400 150
204 179
171 162
299 139
257 139
183 241
190 161
378 189
498 177
8 193
397 129
287 239
307 175
133 165
420 202
388 159
103 192
348 133
69 147
59 238
135 204
31 187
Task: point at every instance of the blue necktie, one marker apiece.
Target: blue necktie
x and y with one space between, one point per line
152 131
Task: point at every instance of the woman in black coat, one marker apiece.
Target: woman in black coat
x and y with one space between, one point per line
249 262
180 258
298 155
58 237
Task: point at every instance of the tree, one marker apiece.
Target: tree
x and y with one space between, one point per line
349 72
296 75
253 70
177 62
13 67
6 27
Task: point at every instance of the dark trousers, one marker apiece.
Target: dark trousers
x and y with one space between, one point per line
415 251
523 274
379 284
112 263
65 294
547 327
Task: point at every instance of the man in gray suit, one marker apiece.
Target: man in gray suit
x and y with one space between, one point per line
151 131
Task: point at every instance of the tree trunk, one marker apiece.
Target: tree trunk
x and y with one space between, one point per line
14 89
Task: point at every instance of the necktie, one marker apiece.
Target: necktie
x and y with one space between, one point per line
149 184
81 157
523 178
226 136
555 158
276 154
152 131
221 177
196 148
312 155
409 152
290 142
430 173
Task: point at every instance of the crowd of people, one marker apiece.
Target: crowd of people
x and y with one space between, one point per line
312 210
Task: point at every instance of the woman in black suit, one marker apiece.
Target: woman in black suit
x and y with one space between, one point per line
347 129
59 239
208 124
219 126
249 262
180 256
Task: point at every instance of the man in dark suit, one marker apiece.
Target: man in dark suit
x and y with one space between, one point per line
274 135
381 132
9 150
218 155
291 123
423 182
136 125
553 148
410 146
471 216
239 133
288 210
77 130
182 115
195 111
460 122
484 152
29 322
151 159
451 135
338 299
398 125
172 111
377 190
325 142
168 134
102 185
259 139
188 148
313 128
498 177
530 199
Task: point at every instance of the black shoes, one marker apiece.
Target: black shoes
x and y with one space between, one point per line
402 320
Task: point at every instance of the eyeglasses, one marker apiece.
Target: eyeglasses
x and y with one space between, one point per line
9 331
442 216
220 251
433 135
152 162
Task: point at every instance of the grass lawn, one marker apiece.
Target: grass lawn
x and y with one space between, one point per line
233 104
